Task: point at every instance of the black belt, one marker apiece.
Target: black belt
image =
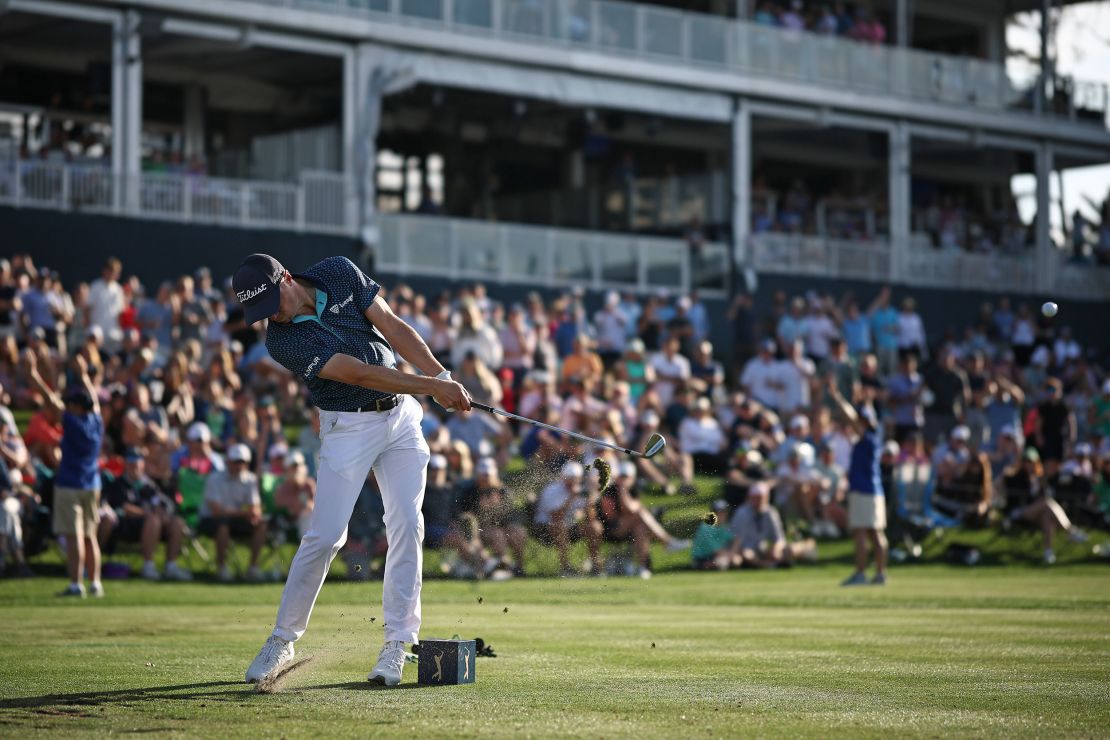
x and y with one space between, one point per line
382 404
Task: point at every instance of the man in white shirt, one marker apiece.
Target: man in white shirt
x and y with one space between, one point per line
702 441
760 378
106 302
796 372
671 371
911 330
233 506
612 329
820 329
560 518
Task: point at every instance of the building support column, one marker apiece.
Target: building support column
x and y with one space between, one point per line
193 123
741 184
1045 258
1040 95
898 162
349 135
127 110
902 23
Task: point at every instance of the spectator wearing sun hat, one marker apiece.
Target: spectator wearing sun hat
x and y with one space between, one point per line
233 507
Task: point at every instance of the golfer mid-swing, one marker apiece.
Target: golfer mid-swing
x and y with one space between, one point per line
330 326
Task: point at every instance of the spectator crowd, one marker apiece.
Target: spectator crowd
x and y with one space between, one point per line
163 399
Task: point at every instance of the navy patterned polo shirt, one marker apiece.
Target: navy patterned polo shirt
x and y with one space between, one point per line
304 346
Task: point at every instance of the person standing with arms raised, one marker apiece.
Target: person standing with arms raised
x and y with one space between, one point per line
331 327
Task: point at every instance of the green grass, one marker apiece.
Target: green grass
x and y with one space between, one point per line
941 650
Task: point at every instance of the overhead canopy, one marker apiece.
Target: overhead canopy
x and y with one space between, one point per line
566 88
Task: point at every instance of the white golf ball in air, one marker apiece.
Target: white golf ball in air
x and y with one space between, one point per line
1049 309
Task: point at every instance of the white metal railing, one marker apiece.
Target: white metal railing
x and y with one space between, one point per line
708 41
318 203
437 246
819 256
323 202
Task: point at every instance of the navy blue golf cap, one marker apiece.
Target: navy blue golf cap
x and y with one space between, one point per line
256 285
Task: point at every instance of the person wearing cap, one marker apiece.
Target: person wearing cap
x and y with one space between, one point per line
758 537
635 370
136 510
612 330
955 452
624 519
866 497
962 489
711 545
77 480
702 442
331 327
232 506
672 371
497 532
1027 500
197 454
42 310
707 373
1055 427
655 471
295 495
761 379
561 519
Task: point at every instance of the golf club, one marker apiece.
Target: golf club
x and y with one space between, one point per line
655 445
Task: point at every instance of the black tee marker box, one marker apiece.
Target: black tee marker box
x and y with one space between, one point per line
446 662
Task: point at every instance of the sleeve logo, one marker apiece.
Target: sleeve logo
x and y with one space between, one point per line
311 366
335 308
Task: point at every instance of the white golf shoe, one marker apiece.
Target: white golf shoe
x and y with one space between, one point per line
274 655
391 660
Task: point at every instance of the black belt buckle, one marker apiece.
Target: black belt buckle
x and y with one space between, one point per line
385 404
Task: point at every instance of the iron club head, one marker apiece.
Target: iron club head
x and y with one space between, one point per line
655 444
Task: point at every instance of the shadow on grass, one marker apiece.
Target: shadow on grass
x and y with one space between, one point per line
183 692
189 691
358 686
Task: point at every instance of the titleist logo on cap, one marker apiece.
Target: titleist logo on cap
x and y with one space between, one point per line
246 295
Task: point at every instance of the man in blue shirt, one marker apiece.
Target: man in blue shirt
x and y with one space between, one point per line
331 328
77 482
884 330
866 502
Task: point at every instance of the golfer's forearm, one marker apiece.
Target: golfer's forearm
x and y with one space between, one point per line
347 369
409 345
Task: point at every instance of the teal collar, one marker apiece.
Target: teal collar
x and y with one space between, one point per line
321 304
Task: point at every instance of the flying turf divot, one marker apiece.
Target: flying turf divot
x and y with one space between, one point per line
276 682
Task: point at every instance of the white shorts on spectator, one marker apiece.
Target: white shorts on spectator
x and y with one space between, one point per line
866 511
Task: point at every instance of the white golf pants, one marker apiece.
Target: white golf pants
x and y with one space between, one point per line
391 443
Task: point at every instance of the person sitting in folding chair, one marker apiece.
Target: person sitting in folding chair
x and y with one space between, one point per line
233 507
1028 501
135 510
192 465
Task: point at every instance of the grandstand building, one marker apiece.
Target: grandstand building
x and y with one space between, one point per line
643 146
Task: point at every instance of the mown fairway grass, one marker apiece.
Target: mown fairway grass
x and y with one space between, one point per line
1000 651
